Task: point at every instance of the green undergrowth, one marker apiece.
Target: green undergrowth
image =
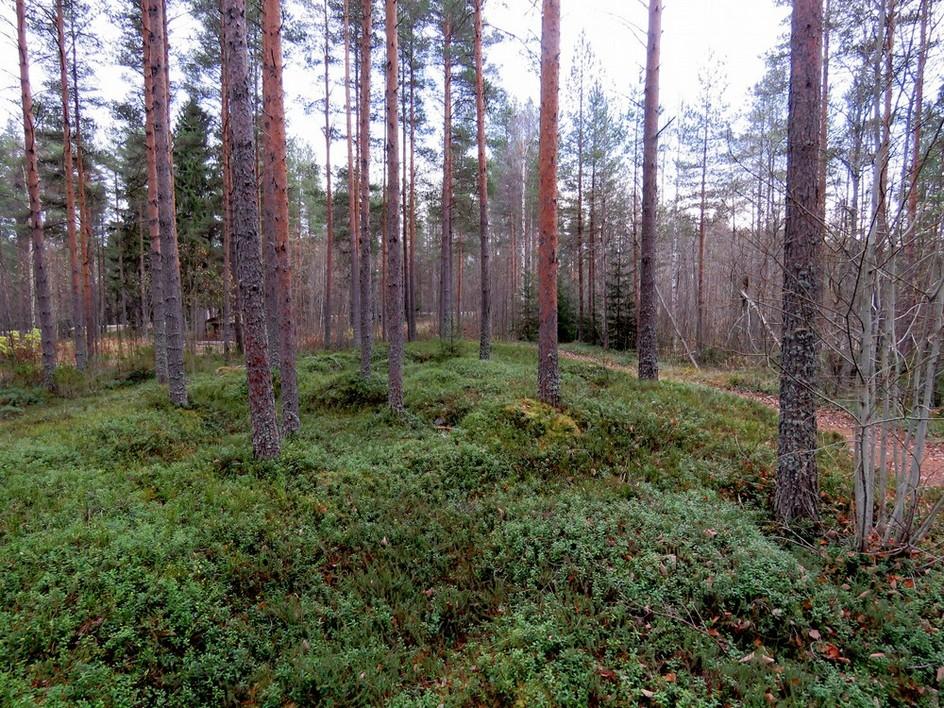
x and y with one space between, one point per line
481 549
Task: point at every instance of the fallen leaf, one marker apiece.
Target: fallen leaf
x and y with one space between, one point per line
815 635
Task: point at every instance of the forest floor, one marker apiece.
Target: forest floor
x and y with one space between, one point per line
761 387
482 549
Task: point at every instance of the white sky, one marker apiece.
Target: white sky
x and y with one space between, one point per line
738 32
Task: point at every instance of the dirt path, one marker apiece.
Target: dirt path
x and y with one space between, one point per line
828 419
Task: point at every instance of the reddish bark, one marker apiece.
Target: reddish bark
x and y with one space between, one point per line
153 218
411 285
394 297
445 251
363 137
352 199
548 371
75 279
797 488
43 301
329 197
160 107
275 204
265 433
646 337
485 325
85 233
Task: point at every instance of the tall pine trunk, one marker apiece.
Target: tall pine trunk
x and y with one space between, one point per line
75 274
797 489
646 337
153 218
275 204
411 285
160 107
85 234
548 372
363 136
226 152
265 432
485 324
352 210
329 196
445 247
394 297
43 301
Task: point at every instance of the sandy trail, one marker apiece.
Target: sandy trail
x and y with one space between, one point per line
828 419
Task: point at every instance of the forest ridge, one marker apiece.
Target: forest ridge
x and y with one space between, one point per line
274 315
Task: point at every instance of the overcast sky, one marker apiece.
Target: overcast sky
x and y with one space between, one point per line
737 32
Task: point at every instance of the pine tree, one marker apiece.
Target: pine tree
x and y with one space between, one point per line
265 432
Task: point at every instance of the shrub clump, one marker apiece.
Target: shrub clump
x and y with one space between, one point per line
349 392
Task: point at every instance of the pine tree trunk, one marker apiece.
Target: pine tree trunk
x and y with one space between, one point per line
647 343
352 197
329 197
275 204
160 107
153 218
85 233
548 372
366 325
485 316
75 275
43 301
226 151
265 432
394 296
411 285
797 489
445 250
404 194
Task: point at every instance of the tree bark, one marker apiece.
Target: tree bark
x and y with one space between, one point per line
548 372
85 233
445 246
275 204
411 284
226 150
485 315
153 218
160 107
394 296
75 275
366 325
797 489
329 197
265 432
43 301
352 197
647 343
